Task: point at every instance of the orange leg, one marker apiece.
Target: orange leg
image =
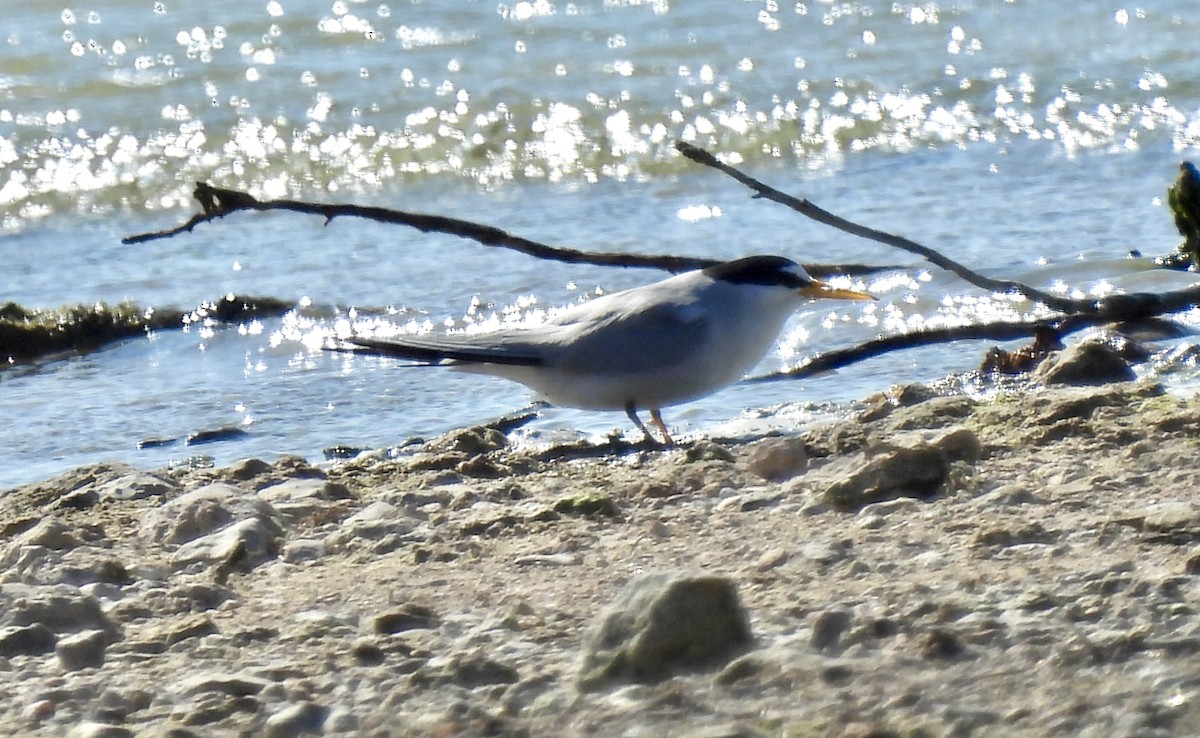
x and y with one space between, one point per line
656 417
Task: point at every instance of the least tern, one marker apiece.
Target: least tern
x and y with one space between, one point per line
647 347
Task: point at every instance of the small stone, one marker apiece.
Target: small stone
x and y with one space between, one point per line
340 720
742 668
234 685
367 652
26 640
1192 566
771 559
247 469
1172 517
196 626
959 444
306 549
663 622
828 627
777 459
84 650
100 730
555 559
302 718
213 708
239 546
39 711
372 523
917 470
406 617
50 533
203 511
942 644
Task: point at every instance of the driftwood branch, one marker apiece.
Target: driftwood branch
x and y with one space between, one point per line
217 202
807 208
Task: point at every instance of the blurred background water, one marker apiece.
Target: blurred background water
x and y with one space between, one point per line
1030 139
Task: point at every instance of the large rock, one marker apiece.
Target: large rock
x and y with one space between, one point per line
302 718
241 545
300 499
375 522
203 511
218 524
917 469
26 640
663 623
1085 363
61 608
78 566
82 650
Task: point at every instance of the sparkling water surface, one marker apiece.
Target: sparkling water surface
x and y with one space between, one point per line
1032 140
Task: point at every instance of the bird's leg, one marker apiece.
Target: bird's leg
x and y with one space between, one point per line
656 416
631 411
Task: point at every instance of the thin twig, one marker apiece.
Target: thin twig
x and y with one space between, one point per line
807 208
217 202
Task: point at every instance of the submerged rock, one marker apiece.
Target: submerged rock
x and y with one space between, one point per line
661 623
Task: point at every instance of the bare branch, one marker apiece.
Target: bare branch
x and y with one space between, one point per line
218 202
804 207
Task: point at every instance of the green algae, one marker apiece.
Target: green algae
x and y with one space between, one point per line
30 334
588 503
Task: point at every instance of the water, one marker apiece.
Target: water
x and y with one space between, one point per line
1032 140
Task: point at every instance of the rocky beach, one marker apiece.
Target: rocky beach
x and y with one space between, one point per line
934 565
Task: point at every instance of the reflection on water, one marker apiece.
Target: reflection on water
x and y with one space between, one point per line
123 106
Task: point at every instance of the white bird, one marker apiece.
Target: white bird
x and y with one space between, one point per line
647 347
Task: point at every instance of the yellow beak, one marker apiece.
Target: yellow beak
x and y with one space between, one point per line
823 291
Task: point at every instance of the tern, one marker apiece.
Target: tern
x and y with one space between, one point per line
648 347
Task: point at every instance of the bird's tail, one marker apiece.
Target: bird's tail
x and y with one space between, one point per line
436 351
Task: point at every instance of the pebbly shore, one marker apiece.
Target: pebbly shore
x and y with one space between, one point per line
1024 565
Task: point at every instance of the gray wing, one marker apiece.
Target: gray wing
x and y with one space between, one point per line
632 338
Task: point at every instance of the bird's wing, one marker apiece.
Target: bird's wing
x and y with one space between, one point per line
433 349
631 338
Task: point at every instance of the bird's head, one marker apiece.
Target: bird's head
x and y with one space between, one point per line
777 271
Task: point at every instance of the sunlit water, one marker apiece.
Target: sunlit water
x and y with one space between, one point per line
1031 140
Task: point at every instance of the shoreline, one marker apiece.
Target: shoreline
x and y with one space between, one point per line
1025 565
